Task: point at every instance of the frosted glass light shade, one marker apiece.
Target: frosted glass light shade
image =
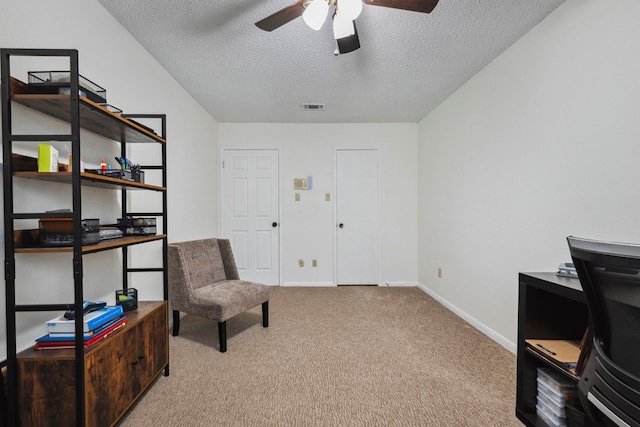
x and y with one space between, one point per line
342 27
316 13
350 8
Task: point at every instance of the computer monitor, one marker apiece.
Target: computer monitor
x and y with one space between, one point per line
609 387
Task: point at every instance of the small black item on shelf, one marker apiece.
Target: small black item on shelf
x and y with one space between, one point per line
137 174
137 226
114 173
133 174
134 171
87 307
127 298
59 231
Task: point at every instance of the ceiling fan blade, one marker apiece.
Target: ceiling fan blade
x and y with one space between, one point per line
281 17
424 6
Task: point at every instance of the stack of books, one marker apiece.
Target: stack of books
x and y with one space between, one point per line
97 325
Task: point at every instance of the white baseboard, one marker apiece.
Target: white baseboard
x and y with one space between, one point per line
328 284
396 284
309 284
472 321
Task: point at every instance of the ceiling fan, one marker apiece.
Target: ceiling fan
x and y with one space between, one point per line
314 13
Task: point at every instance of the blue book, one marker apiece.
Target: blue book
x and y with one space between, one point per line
92 320
71 336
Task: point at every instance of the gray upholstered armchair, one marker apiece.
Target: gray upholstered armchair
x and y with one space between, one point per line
204 281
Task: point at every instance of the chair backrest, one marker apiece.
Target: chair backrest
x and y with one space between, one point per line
202 262
610 277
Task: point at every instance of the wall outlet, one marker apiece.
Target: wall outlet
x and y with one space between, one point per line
327 197
297 197
301 262
439 272
314 263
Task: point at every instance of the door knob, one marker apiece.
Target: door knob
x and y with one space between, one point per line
274 225
341 225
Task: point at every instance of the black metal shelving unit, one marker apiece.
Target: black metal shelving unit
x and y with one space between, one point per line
79 112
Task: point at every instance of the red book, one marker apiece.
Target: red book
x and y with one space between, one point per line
59 345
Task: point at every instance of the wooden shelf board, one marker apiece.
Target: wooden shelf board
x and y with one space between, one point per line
103 245
90 179
93 117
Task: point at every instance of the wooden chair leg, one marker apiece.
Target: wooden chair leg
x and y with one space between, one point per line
222 332
265 314
176 323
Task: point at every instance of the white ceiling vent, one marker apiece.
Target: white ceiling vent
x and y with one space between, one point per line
314 107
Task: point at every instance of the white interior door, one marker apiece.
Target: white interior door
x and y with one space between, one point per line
357 214
249 212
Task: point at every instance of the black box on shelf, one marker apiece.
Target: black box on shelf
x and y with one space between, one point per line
61 238
59 82
137 175
137 226
59 231
127 298
66 224
114 173
129 175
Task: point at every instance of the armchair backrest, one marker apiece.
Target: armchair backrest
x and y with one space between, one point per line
197 263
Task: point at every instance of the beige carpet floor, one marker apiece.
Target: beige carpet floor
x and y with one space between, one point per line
345 356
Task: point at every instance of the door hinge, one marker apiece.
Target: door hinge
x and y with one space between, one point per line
223 164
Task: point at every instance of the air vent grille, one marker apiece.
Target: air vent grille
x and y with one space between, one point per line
314 107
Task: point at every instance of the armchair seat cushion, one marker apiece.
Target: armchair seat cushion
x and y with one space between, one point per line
225 299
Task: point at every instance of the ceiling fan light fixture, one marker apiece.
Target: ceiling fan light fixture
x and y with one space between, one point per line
342 27
349 43
316 13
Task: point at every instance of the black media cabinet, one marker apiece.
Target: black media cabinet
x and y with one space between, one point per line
549 307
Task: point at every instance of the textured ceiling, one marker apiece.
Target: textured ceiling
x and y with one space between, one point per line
408 62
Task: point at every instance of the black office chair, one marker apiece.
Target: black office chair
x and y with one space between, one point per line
609 387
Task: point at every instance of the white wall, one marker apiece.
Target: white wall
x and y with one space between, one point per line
541 144
136 83
307 226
